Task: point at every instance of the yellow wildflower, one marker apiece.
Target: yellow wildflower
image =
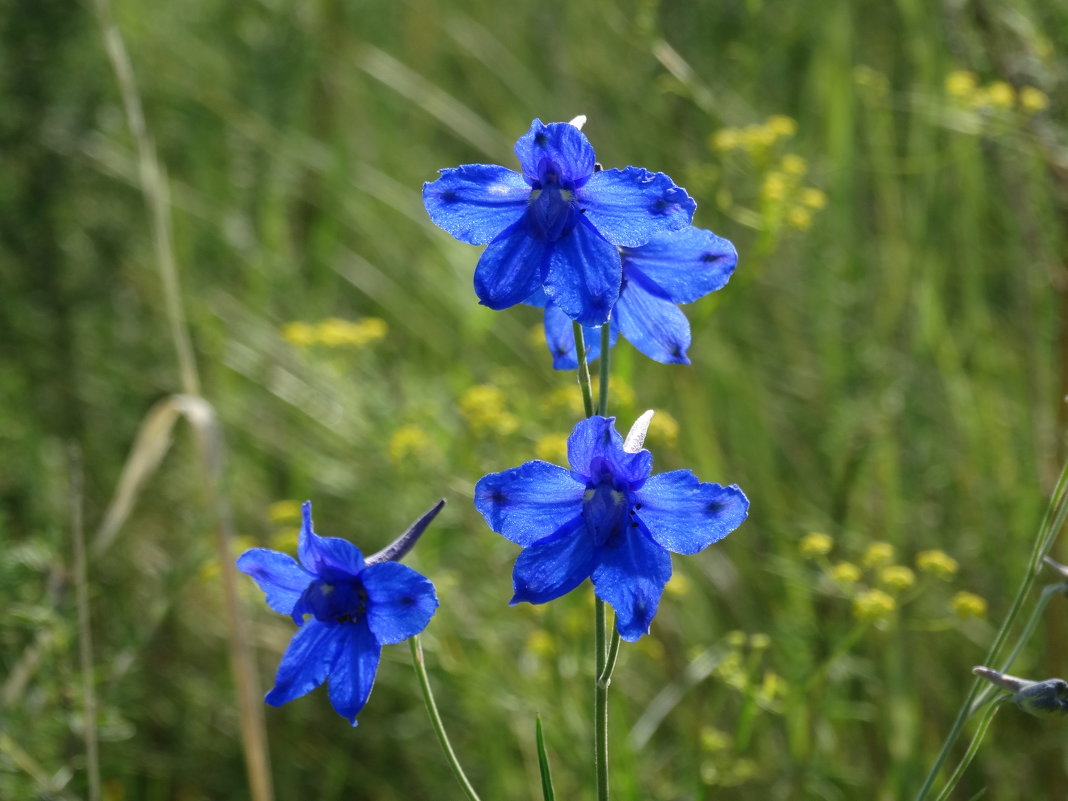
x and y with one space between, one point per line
541 643
776 186
552 448
1033 100
1000 95
815 544
781 126
845 573
878 553
664 430
813 198
725 139
483 407
297 333
409 445
961 84
678 585
897 577
760 641
799 218
283 511
937 563
968 604
873 605
793 164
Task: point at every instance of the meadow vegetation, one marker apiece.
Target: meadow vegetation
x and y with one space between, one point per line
884 376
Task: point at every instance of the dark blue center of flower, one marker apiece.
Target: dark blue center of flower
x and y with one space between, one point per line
604 506
551 209
342 601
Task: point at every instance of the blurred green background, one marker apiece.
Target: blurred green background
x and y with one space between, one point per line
886 367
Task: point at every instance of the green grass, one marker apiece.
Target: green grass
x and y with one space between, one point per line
895 373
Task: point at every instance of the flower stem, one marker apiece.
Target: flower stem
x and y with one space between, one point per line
583 369
606 343
1052 523
600 704
435 719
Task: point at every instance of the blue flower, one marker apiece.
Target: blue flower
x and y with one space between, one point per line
346 608
672 267
606 519
557 225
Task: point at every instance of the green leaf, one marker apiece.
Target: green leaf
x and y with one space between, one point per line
543 762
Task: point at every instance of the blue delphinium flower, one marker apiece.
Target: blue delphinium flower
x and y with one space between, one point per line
557 225
673 267
346 608
606 519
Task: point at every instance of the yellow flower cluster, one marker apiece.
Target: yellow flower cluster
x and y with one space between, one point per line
878 554
896 577
964 88
786 199
754 138
409 444
552 448
284 511
483 407
873 605
334 332
968 604
937 563
815 544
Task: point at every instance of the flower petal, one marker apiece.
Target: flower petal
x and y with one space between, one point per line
279 576
400 601
306 662
353 673
475 202
683 265
595 444
329 558
511 268
686 516
529 502
562 144
652 324
584 275
630 576
554 565
560 337
631 205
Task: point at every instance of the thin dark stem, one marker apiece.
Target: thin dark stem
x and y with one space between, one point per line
606 342
583 369
435 719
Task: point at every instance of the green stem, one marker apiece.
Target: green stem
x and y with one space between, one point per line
435 719
1052 522
606 342
973 747
600 704
583 369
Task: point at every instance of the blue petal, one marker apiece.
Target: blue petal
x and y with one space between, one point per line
553 566
400 601
652 324
595 444
631 205
279 576
511 268
353 672
560 337
306 662
330 558
630 576
559 143
476 202
683 265
684 515
584 275
529 502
